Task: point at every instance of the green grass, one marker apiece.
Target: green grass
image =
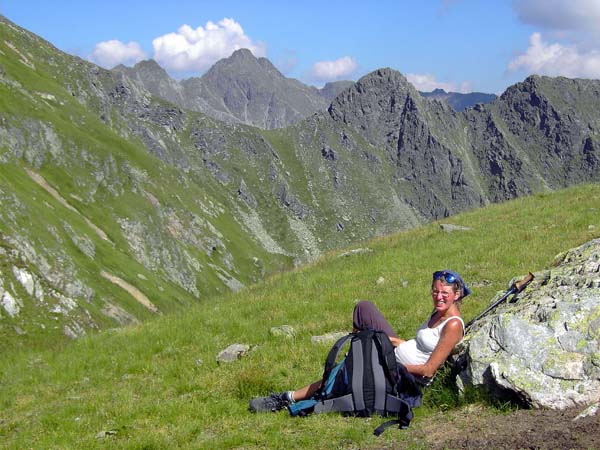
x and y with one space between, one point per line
158 385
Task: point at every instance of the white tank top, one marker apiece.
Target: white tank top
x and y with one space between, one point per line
418 350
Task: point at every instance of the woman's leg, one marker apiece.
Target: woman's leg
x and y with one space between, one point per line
281 400
367 316
306 392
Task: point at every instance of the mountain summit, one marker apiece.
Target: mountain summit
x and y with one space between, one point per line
239 89
156 80
255 92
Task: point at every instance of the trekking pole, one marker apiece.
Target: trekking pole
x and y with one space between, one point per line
515 288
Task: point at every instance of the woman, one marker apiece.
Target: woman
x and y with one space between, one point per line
422 356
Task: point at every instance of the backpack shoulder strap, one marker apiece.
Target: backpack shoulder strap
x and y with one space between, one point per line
386 350
334 354
402 422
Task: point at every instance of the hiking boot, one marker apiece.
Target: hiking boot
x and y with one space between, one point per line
272 403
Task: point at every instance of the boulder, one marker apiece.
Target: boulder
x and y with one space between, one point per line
233 353
328 338
356 251
286 331
449 227
543 349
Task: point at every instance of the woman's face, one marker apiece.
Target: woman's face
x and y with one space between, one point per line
443 296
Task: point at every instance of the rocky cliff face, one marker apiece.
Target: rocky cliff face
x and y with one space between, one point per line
123 205
429 172
540 134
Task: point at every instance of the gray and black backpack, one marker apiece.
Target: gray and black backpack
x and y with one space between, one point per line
366 381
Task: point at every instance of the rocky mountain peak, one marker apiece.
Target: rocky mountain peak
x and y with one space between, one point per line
148 69
373 105
242 54
151 66
386 78
241 61
382 88
253 91
530 84
155 79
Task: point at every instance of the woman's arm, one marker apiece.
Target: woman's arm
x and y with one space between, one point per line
396 341
451 335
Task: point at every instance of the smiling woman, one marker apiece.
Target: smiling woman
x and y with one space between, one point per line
421 356
436 338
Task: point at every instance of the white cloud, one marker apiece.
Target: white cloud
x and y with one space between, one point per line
426 82
108 54
190 50
333 70
562 15
556 60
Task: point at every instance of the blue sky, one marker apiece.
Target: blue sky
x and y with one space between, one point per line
456 45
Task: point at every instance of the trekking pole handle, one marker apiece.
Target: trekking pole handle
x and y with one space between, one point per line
520 285
514 289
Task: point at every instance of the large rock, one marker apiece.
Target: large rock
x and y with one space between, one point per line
544 348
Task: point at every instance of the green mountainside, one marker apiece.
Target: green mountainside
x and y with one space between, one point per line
118 205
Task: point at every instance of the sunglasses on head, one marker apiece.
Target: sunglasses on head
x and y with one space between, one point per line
450 278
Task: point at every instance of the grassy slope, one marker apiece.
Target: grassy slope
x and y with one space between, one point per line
158 385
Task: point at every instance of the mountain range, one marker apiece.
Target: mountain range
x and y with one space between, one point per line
250 90
460 101
126 194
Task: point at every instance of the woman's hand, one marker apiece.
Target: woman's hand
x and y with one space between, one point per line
396 341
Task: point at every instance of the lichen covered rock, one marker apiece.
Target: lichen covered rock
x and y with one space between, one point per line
544 348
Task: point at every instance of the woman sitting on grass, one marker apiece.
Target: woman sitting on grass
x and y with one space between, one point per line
421 356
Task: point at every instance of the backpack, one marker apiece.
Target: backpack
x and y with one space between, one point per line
366 381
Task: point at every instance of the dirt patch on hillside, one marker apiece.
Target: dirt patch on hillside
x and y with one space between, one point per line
479 428
41 181
135 292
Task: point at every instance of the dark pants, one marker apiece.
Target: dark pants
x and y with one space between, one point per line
367 316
